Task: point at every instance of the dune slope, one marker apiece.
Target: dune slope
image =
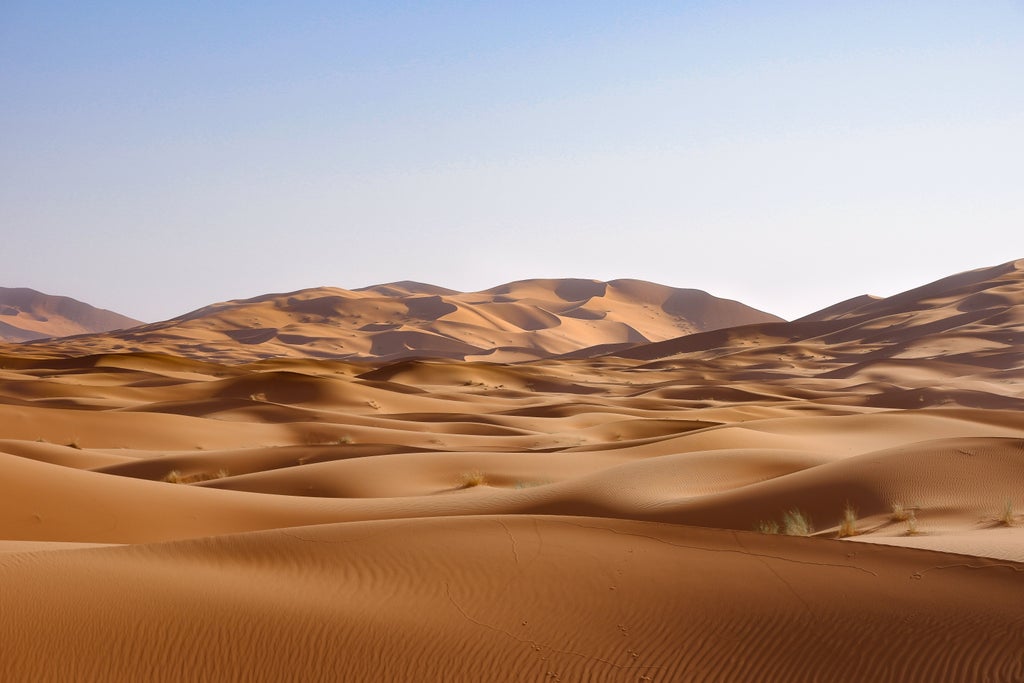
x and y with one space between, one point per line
509 598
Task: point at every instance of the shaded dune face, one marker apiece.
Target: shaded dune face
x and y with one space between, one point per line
580 290
838 498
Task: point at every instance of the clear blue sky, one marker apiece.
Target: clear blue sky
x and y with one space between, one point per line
156 157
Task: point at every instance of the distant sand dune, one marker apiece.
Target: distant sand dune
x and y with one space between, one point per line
518 321
26 314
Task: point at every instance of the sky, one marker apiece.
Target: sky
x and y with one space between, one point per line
158 157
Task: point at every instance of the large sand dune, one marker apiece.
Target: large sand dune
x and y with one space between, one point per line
599 517
522 320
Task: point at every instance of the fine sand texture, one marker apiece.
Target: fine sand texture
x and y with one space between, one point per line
839 498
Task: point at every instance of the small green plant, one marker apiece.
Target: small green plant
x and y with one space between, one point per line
794 523
768 526
472 478
848 524
344 440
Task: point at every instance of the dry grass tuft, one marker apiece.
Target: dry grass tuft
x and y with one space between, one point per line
848 524
908 514
901 513
472 478
1007 516
768 526
794 523
176 477
530 484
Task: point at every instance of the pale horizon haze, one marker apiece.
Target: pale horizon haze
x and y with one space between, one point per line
159 157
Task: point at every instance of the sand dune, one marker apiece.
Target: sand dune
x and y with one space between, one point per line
26 314
510 598
632 516
518 321
972 318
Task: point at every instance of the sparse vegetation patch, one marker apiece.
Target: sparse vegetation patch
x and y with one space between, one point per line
472 478
795 523
848 524
901 513
530 484
1007 515
908 514
176 477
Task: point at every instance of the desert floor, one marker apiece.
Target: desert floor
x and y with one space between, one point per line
594 519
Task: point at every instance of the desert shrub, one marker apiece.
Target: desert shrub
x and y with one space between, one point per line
794 523
530 484
901 513
848 524
176 477
472 478
912 524
1007 517
905 513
